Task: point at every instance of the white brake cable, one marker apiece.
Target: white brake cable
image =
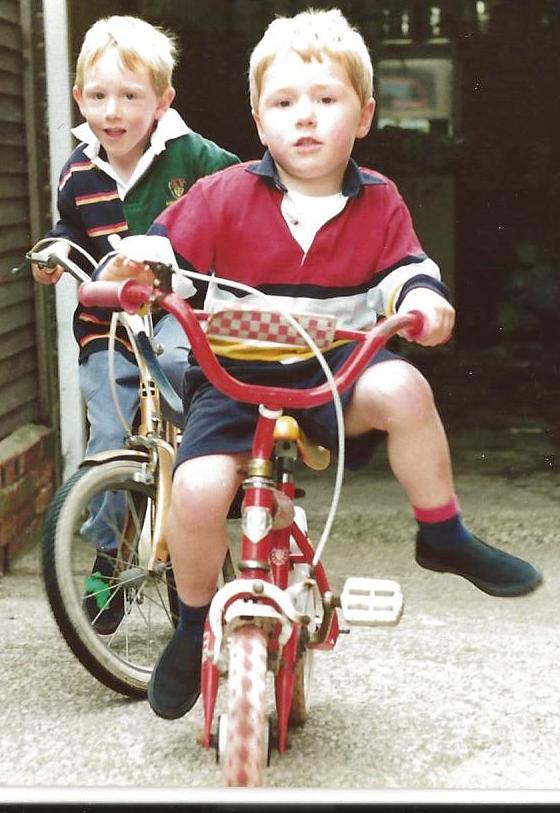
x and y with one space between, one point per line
115 318
330 380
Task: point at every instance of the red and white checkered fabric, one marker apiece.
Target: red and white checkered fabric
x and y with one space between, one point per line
270 326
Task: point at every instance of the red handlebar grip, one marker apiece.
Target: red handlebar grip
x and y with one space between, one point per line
99 294
414 332
127 295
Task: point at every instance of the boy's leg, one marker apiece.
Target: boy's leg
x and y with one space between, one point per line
106 431
106 512
203 489
394 397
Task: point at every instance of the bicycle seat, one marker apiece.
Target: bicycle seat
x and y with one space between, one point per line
314 456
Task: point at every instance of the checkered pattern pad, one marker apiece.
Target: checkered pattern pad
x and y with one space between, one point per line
270 326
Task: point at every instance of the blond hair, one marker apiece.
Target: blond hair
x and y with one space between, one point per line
312 34
137 42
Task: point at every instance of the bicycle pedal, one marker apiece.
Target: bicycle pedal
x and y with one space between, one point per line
371 602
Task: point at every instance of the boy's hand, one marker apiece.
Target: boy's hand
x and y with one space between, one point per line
133 253
439 316
120 268
49 276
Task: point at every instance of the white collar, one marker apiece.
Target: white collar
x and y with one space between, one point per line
306 214
171 125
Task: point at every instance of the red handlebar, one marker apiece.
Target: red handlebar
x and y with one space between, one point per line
130 296
127 296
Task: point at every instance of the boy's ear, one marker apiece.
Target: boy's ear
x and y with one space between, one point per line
257 121
78 98
165 102
366 118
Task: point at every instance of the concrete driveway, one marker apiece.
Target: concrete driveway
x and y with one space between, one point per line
460 701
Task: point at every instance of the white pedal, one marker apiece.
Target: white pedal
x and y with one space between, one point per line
371 602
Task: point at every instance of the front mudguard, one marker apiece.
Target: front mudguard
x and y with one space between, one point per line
138 455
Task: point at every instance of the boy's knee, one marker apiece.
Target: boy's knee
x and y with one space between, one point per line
186 483
205 482
417 384
401 390
397 376
415 394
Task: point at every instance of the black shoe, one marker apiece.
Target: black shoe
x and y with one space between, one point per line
491 570
103 605
174 686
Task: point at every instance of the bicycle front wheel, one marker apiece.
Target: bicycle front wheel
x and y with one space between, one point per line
87 589
244 751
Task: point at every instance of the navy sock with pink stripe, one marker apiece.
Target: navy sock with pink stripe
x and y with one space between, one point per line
442 527
446 533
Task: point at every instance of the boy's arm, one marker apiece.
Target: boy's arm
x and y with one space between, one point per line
411 281
188 225
206 157
67 228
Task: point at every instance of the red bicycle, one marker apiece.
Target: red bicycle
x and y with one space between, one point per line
279 609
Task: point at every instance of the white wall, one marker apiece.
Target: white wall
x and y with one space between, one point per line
59 79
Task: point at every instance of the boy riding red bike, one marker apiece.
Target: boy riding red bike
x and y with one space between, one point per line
309 227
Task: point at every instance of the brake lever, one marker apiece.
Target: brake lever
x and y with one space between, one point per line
48 263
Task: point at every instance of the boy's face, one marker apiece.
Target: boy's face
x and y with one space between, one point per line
121 108
309 116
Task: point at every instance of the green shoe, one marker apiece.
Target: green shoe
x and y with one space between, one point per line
102 603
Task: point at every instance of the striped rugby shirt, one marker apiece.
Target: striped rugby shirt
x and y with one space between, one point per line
360 263
91 209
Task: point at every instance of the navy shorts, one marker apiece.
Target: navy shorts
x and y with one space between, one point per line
215 424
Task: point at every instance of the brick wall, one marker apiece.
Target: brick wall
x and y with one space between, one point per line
27 483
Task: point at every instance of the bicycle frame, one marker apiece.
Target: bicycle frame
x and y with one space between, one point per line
155 441
159 440
272 541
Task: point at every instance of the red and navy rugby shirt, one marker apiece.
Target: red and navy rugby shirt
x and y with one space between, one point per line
361 262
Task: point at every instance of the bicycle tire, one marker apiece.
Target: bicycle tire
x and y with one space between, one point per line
122 661
301 699
246 740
